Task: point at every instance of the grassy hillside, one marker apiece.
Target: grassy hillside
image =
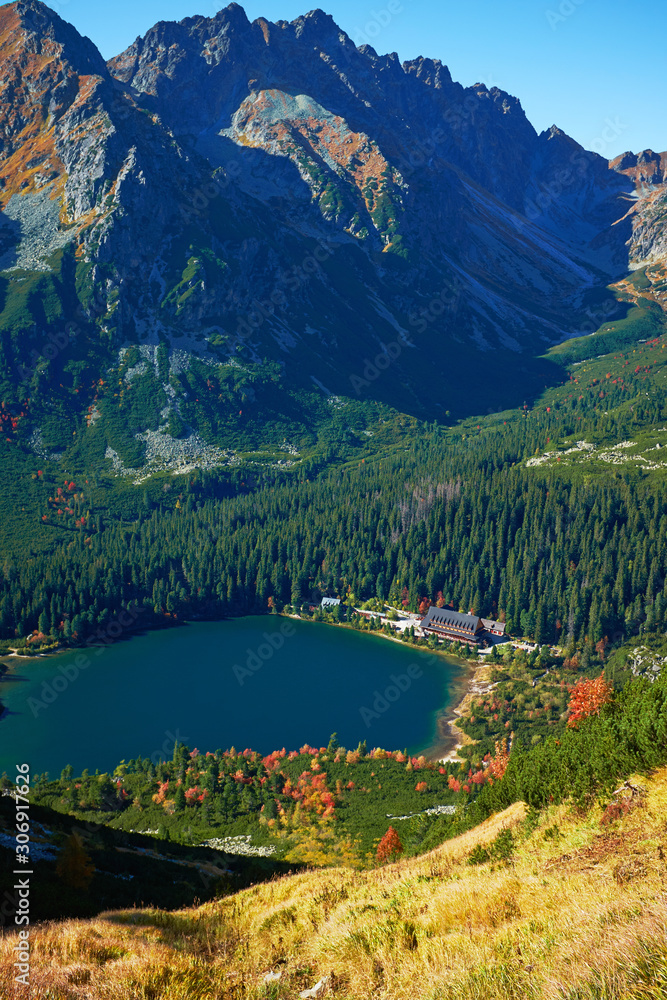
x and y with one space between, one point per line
547 881
130 869
568 905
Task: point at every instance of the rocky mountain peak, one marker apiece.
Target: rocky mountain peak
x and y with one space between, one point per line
39 30
230 18
504 102
624 161
646 167
432 72
554 133
202 164
314 20
46 66
234 12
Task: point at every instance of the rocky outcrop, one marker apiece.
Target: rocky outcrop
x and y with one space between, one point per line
228 185
647 171
645 168
398 157
42 62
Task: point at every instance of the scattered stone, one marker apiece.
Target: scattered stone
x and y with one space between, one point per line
643 662
239 845
317 991
36 227
433 811
271 977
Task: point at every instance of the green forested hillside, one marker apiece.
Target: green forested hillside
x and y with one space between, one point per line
505 514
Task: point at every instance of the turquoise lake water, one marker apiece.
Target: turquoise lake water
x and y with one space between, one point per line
260 682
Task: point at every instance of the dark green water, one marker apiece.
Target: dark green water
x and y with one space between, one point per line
241 683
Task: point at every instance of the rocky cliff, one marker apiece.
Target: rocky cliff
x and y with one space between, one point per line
242 193
648 173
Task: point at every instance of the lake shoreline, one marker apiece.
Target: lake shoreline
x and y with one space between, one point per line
450 738
479 683
447 740
250 682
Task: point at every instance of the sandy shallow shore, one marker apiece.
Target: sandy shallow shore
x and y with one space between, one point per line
478 683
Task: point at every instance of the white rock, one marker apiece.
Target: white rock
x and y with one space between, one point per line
271 977
318 990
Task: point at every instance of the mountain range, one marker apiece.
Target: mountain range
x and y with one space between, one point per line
232 230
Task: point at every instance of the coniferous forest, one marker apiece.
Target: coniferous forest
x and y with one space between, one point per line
564 552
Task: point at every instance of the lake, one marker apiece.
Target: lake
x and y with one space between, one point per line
260 682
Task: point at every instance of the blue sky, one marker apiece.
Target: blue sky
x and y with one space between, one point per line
596 68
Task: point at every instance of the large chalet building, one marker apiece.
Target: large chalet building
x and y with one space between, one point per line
452 625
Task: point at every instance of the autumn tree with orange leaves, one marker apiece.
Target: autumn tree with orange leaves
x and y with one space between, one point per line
587 698
498 764
389 847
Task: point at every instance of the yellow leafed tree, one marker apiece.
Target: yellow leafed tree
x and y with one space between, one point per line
74 866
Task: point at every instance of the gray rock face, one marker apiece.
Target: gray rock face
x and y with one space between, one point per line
40 65
38 231
651 166
271 187
450 155
647 172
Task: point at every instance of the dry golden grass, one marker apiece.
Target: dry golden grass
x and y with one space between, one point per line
579 913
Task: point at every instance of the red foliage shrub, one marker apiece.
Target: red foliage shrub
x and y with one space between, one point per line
389 847
587 698
498 764
617 809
